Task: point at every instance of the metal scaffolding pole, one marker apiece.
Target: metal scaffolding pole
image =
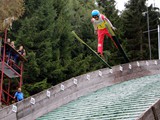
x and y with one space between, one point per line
149 41
159 42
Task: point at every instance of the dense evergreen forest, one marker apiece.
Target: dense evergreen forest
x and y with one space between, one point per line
54 55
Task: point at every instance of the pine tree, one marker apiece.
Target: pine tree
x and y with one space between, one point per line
52 51
35 32
136 31
133 25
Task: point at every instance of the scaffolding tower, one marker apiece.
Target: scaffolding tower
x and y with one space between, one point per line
10 71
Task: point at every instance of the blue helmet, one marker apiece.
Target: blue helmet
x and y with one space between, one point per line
95 13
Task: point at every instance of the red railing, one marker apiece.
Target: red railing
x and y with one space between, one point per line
17 70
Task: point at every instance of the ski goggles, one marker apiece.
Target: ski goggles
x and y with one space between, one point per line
95 16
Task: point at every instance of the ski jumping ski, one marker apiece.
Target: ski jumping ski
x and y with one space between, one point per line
95 53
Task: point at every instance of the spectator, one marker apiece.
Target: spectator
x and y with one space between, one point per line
8 40
21 51
9 52
12 44
19 95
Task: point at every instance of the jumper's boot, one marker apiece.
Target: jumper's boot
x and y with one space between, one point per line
102 56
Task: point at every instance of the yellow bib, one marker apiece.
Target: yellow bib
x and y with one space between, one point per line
102 25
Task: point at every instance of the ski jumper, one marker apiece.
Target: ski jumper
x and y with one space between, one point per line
104 27
100 26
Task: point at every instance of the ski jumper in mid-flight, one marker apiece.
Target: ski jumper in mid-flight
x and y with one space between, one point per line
99 23
102 26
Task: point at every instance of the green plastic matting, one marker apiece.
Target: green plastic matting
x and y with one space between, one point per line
124 101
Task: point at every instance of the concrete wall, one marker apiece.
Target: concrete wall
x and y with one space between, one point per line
76 87
153 113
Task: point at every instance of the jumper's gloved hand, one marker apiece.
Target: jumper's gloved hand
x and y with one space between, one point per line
95 32
114 28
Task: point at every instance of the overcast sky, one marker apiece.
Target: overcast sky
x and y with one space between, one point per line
120 3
